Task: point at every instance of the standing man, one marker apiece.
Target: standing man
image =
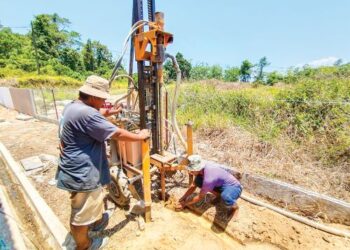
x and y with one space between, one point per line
83 167
210 177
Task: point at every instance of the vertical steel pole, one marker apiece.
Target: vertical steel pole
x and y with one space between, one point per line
166 124
190 145
132 50
151 10
146 178
42 94
54 103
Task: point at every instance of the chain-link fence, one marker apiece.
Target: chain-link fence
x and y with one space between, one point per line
50 102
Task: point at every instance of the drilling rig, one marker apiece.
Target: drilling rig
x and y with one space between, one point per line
147 107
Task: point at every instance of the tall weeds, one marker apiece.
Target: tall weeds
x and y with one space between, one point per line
314 113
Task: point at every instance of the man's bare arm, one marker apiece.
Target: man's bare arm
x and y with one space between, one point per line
189 191
195 199
124 135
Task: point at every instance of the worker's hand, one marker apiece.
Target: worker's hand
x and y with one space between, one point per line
119 105
116 110
180 206
109 112
144 134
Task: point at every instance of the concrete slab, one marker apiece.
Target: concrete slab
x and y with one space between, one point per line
23 117
49 158
31 163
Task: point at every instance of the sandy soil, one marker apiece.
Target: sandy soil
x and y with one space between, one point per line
256 228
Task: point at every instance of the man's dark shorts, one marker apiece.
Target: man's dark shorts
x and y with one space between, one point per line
229 194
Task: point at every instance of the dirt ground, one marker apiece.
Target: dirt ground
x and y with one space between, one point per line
256 228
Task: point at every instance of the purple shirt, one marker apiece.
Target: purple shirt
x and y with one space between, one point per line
215 176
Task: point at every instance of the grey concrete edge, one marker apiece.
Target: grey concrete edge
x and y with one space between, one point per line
18 241
46 119
60 237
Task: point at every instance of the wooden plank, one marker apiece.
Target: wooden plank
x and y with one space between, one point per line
166 158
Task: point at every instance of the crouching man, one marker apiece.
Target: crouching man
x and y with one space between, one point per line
210 177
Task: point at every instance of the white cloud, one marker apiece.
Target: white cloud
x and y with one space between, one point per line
326 61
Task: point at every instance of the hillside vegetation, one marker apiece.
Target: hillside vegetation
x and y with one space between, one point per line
312 111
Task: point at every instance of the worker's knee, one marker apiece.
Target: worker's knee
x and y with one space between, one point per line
230 195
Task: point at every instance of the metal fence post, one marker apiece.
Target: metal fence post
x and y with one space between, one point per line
54 103
42 94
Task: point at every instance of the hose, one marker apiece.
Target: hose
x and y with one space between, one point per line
176 94
298 218
133 29
129 77
130 90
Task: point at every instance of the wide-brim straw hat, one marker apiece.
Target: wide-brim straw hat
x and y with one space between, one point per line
195 163
96 86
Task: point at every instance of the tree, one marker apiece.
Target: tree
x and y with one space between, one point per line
338 62
246 71
71 58
231 74
47 35
102 55
96 57
215 72
50 36
273 78
169 70
88 56
200 72
15 50
11 44
184 65
260 71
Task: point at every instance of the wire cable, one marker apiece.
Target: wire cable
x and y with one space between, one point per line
134 28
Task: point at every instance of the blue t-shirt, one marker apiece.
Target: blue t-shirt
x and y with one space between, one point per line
83 164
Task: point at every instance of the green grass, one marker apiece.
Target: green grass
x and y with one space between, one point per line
303 113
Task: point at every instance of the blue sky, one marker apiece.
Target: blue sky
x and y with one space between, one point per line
225 32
